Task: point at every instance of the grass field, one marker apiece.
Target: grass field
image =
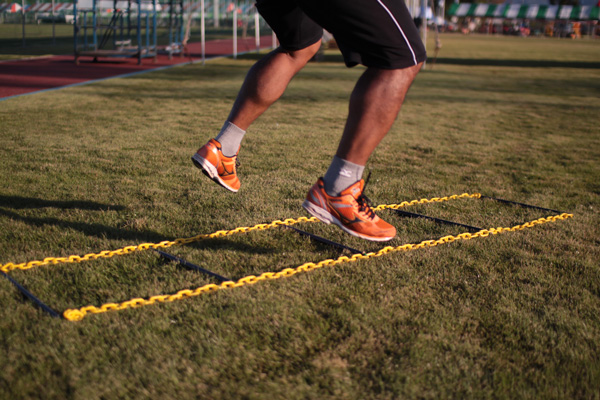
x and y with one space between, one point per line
106 165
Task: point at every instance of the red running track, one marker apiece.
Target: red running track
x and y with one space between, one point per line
20 77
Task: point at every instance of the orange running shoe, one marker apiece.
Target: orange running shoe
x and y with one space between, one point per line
210 159
350 211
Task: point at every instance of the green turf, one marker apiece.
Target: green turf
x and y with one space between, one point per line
106 165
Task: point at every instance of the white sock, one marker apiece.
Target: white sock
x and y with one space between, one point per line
340 175
230 138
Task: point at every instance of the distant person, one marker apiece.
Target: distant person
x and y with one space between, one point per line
576 30
568 30
379 34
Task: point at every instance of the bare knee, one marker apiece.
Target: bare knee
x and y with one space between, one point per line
392 80
414 70
302 56
406 74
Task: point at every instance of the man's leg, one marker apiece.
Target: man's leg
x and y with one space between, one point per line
337 198
264 84
374 106
266 81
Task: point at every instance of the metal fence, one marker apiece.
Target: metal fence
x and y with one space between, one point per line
48 26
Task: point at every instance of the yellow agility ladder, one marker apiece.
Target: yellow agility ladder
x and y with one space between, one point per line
80 313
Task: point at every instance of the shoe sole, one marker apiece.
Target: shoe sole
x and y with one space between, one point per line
328 218
210 170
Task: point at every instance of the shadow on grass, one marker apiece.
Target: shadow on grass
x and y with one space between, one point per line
18 202
36 46
104 231
489 62
89 229
327 57
109 232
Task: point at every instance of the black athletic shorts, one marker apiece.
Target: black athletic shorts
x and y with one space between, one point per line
374 33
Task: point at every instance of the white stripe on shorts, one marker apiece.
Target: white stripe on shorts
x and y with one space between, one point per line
400 29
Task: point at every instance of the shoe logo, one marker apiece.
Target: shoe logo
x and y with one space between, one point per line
334 209
347 221
227 172
317 198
